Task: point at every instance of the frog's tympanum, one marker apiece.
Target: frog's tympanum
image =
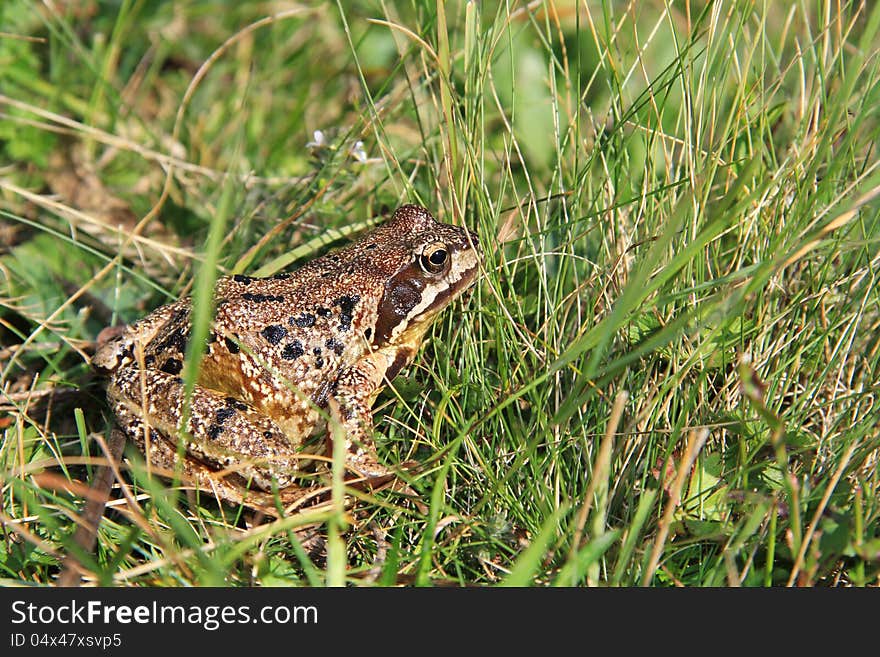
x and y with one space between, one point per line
284 354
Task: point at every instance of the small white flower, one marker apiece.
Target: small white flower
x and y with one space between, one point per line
319 141
358 152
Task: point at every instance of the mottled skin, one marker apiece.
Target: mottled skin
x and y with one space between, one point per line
284 354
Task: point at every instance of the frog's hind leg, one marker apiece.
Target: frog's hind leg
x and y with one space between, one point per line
162 456
220 485
224 436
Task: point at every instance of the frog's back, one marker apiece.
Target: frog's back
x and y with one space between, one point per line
272 334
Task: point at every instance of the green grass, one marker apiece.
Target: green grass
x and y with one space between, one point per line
667 374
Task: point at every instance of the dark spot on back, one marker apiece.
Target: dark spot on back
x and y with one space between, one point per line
316 351
267 435
305 320
241 278
149 360
224 414
172 366
346 310
370 246
368 332
274 333
336 347
292 351
235 403
347 303
233 348
281 277
214 431
261 298
324 312
319 362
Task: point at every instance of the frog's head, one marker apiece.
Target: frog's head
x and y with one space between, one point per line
431 265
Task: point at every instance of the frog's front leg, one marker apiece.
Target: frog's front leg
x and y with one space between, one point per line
222 432
350 404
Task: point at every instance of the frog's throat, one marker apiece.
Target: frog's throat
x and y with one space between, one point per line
411 337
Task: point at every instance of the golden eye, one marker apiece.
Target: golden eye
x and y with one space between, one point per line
434 258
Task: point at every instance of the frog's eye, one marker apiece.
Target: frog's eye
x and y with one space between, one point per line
434 258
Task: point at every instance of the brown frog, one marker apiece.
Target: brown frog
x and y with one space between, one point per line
284 354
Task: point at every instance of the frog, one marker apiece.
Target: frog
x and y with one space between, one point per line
291 363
